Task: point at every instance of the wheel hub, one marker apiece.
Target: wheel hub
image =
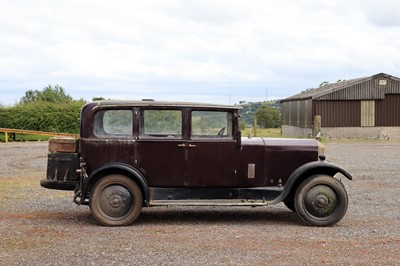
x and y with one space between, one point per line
321 201
116 201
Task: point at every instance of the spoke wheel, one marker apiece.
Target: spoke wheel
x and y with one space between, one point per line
321 201
116 200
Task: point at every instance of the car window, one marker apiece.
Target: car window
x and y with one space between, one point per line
211 124
113 123
161 123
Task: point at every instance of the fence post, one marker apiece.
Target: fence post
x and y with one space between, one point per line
317 125
255 127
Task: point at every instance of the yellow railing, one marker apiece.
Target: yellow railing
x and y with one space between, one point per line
12 132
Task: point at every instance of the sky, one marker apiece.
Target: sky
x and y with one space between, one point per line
215 51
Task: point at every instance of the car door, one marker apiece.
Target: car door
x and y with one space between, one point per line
211 150
160 155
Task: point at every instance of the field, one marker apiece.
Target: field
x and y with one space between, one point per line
44 227
263 132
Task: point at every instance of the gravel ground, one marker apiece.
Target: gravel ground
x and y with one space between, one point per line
43 227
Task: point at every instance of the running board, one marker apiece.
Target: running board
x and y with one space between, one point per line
218 202
257 196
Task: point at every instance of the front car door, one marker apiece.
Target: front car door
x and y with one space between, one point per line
211 149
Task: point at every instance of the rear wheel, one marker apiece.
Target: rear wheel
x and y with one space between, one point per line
321 200
116 200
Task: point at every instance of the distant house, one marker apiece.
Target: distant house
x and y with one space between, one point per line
361 107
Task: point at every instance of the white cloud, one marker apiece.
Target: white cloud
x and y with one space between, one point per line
183 49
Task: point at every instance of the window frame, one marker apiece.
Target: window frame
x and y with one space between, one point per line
228 127
106 135
160 136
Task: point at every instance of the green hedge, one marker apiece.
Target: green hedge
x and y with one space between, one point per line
43 116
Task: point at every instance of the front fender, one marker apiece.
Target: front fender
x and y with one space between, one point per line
120 167
307 170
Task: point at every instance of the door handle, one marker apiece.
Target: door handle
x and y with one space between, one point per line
183 145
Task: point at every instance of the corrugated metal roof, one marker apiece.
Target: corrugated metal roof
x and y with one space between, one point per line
353 89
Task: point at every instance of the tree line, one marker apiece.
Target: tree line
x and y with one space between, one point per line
266 114
53 110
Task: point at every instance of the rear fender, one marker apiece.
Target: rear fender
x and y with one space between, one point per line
307 170
124 169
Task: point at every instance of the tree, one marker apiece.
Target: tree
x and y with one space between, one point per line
242 125
94 99
268 117
249 110
49 94
50 109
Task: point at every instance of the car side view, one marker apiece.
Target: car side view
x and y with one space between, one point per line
135 154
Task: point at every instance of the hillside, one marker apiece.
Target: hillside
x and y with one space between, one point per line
250 108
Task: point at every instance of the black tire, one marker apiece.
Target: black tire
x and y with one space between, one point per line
321 200
289 203
116 200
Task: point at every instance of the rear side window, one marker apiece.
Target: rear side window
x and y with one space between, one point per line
113 123
211 124
161 123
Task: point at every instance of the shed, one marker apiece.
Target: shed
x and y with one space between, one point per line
361 107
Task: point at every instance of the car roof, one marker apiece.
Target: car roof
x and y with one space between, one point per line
152 103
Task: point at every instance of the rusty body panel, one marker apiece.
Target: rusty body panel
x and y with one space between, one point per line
284 156
211 163
176 154
162 163
63 144
96 153
191 162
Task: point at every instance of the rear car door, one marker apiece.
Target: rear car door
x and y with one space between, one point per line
160 156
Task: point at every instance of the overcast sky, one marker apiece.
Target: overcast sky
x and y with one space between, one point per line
219 51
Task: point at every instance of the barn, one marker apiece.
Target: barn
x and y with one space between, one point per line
367 107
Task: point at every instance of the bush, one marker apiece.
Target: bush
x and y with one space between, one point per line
43 116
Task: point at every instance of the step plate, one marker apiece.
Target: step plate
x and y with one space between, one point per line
208 203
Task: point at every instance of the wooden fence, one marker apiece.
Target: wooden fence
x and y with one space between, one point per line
11 133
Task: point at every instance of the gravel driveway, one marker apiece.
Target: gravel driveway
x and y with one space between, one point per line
43 227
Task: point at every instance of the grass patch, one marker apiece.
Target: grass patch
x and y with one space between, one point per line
24 137
263 132
16 189
22 188
11 184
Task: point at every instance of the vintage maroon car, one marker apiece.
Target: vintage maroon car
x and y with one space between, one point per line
134 154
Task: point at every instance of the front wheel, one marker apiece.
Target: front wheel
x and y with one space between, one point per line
290 204
115 200
321 200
